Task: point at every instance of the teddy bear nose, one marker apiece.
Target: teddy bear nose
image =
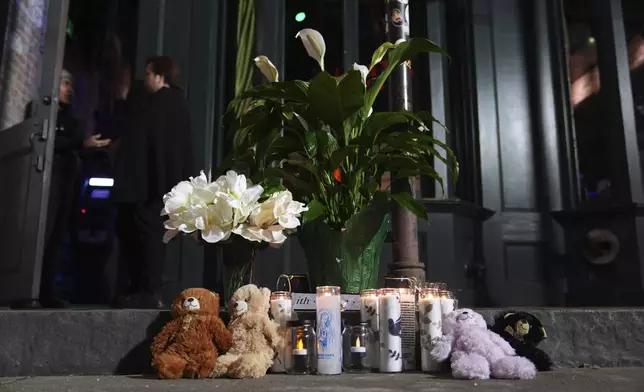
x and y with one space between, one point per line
465 312
235 305
190 299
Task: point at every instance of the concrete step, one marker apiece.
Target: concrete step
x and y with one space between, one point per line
561 380
96 342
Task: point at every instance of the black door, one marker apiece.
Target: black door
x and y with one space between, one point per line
26 152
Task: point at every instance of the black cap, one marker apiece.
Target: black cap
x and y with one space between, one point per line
300 323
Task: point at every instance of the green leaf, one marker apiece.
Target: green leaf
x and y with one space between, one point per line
291 180
338 156
351 90
291 91
324 101
404 199
305 165
315 211
401 52
327 144
411 48
311 143
378 122
380 53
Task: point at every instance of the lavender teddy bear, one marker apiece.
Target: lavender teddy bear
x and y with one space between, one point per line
477 353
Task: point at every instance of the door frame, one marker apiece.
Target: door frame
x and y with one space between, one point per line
43 123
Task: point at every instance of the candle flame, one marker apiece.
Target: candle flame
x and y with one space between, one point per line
358 341
299 345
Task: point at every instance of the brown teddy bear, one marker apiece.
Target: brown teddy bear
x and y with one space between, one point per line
255 335
187 345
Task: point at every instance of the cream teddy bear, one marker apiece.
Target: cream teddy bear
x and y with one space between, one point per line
255 336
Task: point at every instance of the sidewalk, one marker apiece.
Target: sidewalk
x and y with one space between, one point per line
564 380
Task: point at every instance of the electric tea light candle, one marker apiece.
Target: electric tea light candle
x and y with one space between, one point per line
369 313
356 354
391 328
329 332
430 321
281 309
303 343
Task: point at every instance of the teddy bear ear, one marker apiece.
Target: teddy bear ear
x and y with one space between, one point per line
265 291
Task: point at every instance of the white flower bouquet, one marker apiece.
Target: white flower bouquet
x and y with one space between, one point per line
230 205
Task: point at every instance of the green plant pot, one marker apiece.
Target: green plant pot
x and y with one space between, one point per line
349 259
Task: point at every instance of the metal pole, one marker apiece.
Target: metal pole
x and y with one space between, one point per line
404 224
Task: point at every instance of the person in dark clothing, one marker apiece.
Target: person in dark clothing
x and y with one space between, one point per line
70 139
153 155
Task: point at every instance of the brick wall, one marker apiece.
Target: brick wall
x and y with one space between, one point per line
20 68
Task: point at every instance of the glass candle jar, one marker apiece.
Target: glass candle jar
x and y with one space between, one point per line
434 285
281 309
355 350
448 302
390 330
369 313
303 358
329 332
408 327
395 282
430 321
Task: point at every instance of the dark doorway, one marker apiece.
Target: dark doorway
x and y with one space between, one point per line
100 52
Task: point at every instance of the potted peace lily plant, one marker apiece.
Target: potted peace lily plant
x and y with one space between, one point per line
322 140
228 210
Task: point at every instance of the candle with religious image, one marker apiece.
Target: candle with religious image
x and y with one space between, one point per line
329 329
390 330
281 308
430 321
369 313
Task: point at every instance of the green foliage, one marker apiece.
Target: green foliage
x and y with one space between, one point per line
321 141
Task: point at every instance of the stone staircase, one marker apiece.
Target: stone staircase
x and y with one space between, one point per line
96 342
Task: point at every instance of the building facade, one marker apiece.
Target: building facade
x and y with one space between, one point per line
545 105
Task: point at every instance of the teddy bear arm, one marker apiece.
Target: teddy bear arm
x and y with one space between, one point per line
501 343
272 333
442 348
162 339
222 337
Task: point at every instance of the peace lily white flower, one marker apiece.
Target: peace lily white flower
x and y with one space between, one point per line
267 68
269 220
314 44
364 71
